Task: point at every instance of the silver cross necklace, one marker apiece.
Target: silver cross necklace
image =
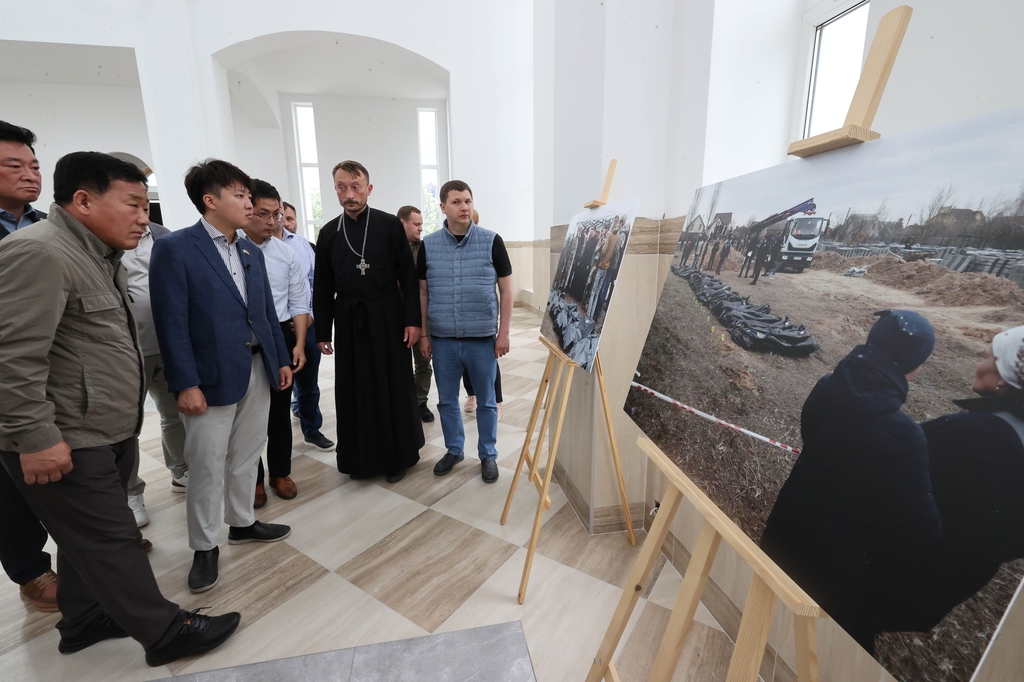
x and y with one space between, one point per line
363 265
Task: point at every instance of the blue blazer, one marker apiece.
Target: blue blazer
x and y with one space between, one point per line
203 326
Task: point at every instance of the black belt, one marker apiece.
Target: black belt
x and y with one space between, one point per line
256 350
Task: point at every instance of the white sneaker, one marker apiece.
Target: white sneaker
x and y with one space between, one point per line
138 507
470 405
179 485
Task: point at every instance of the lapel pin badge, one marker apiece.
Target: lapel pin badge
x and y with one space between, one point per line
245 252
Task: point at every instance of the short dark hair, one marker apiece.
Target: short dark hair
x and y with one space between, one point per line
210 177
454 186
285 204
353 167
406 211
12 133
261 189
91 171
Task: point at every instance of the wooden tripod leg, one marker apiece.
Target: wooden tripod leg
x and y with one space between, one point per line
805 629
636 582
544 400
615 449
753 634
524 455
690 591
539 518
563 371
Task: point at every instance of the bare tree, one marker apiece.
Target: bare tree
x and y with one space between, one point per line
714 204
694 207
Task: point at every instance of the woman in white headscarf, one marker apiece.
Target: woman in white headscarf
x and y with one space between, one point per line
977 468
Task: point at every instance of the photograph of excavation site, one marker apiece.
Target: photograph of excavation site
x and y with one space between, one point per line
930 222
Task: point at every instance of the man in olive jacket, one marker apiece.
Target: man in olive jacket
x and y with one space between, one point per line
72 404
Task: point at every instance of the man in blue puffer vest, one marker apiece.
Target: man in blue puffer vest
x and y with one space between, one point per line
458 268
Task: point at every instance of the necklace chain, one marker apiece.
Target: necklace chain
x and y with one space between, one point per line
344 230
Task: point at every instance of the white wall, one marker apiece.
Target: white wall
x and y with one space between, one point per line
380 133
71 118
260 153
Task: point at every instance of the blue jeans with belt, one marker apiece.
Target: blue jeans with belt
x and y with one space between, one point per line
450 358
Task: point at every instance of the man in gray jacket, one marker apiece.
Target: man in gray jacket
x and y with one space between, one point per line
71 408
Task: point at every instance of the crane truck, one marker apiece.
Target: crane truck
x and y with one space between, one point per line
800 235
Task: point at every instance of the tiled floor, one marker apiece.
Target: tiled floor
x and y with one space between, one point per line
371 562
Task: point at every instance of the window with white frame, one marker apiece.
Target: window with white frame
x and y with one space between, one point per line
312 216
430 184
835 69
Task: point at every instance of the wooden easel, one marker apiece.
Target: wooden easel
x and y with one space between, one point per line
558 373
867 96
557 378
769 584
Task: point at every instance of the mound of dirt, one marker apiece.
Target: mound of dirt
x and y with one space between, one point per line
938 285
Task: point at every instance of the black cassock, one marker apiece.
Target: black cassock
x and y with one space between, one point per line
379 429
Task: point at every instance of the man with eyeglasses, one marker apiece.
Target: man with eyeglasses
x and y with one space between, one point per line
306 387
291 299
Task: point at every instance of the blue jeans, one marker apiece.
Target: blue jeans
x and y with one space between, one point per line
306 400
450 358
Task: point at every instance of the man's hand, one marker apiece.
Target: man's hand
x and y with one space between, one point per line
325 348
298 358
192 401
412 335
501 344
426 350
285 378
47 466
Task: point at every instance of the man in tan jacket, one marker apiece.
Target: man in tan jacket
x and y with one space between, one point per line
72 405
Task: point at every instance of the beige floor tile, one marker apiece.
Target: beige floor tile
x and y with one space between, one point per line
117 660
427 568
705 656
254 580
19 622
515 386
421 485
313 479
564 617
329 614
477 504
346 521
608 557
517 412
534 370
666 589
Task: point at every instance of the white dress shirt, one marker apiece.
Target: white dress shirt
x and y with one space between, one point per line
136 262
307 258
287 281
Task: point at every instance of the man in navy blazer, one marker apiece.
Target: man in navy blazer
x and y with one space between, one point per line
223 353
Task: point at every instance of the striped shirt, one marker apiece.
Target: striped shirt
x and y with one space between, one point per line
307 259
229 254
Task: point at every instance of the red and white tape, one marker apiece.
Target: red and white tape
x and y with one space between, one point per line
712 418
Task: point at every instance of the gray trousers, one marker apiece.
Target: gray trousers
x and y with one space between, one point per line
223 445
172 430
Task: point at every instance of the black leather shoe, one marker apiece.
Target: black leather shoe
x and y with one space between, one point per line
320 441
100 629
446 463
489 467
203 575
397 476
258 532
198 634
425 413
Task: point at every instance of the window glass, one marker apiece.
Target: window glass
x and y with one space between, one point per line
838 54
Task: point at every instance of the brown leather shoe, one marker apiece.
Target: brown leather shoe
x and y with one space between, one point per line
284 487
42 592
146 544
261 496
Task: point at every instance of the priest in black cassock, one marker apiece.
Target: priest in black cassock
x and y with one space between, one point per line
365 291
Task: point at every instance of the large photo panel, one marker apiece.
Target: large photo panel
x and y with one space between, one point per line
584 280
834 308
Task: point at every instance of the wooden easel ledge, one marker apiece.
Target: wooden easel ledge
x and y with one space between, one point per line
868 95
594 203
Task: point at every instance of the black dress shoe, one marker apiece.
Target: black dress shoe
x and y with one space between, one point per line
425 413
320 441
100 629
203 575
397 476
489 467
258 532
198 634
445 464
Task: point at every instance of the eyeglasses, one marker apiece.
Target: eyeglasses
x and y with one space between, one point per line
270 217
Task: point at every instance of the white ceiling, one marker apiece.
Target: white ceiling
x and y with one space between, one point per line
73 64
320 63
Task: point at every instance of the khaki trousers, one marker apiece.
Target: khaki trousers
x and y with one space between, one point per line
222 447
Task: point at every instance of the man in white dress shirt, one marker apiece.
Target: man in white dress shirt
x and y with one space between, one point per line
290 289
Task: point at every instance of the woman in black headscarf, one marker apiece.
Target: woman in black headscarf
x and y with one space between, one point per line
857 510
